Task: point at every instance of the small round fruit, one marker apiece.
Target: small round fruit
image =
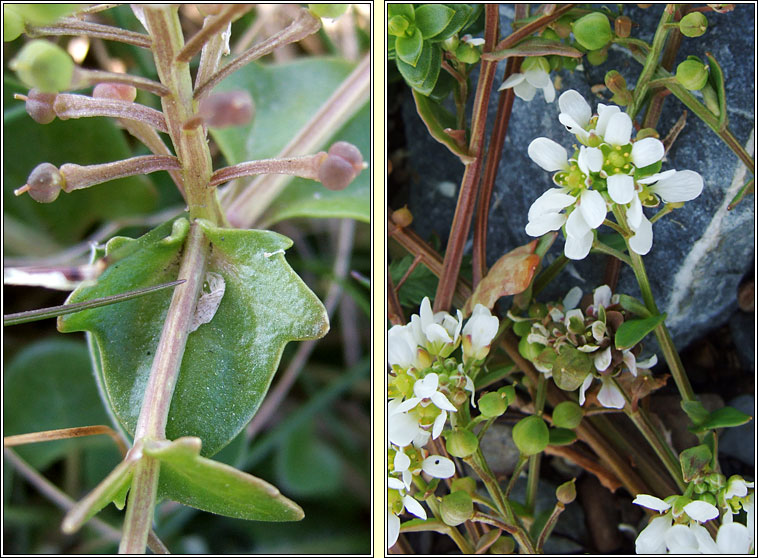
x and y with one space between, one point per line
341 165
461 443
45 183
531 435
39 106
44 65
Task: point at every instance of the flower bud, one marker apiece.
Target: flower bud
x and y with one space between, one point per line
566 493
550 34
538 310
522 328
503 545
402 217
592 31
456 508
342 164
227 108
531 435
529 350
43 65
693 24
331 11
616 83
647 133
45 183
492 405
711 99
716 480
562 27
622 26
707 497
535 63
118 91
464 484
692 74
567 414
461 443
39 106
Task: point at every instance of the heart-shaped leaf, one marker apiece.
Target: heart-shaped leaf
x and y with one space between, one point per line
229 362
571 368
198 482
632 332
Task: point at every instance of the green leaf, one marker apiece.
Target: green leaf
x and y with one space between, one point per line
562 436
307 466
423 76
633 305
208 485
307 198
417 285
405 10
84 141
694 462
437 119
408 49
571 368
723 418
433 19
229 362
716 77
535 46
695 410
47 386
464 15
632 332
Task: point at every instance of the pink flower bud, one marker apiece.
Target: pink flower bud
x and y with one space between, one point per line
45 183
229 108
342 164
118 91
39 105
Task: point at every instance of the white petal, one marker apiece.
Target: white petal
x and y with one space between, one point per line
572 298
590 159
438 467
601 297
426 314
648 363
441 402
577 248
548 154
413 506
421 438
630 361
407 405
647 151
681 187
435 333
439 424
603 359
425 387
651 502
679 540
733 538
701 511
524 91
401 461
583 388
650 540
642 240
552 201
635 215
619 130
705 544
610 397
604 113
621 188
592 206
549 91
573 126
513 79
657 176
537 78
572 103
576 225
395 483
545 223
393 529
402 428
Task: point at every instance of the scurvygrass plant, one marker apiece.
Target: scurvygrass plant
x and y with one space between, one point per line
187 323
551 372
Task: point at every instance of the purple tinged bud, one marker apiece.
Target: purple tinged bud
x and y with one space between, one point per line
342 164
117 91
228 108
45 183
39 105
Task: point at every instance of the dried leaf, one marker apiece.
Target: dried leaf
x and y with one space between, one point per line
511 274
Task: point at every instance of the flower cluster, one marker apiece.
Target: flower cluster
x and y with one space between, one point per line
607 168
426 387
679 531
575 347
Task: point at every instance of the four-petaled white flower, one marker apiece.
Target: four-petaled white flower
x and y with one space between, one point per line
426 392
439 332
535 75
410 504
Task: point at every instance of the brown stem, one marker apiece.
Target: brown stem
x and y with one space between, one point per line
73 26
84 77
304 167
512 39
497 140
78 176
68 105
394 309
467 197
65 433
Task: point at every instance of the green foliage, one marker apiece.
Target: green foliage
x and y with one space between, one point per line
571 368
695 461
632 332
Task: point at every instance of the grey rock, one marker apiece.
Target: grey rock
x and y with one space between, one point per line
742 328
700 252
739 441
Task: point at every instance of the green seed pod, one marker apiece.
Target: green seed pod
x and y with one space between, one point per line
40 106
692 74
529 351
592 31
622 26
43 65
464 484
492 405
550 34
566 493
567 414
467 53
13 23
531 435
693 24
522 328
503 545
597 57
45 183
331 11
456 508
461 443
535 63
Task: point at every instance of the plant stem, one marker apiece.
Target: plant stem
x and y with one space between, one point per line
73 26
661 332
139 511
548 528
533 476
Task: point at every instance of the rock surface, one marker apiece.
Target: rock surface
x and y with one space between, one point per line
700 252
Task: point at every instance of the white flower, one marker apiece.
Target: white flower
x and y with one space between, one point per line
402 348
525 85
737 486
425 391
572 298
575 113
675 186
478 333
651 539
610 395
410 504
435 466
403 428
439 332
